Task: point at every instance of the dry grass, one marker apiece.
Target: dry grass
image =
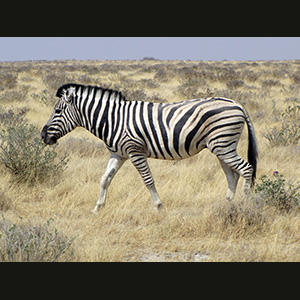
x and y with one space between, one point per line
196 224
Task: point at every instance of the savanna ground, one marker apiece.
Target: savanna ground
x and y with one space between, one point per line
196 223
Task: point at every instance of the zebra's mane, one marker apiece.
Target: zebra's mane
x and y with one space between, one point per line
62 90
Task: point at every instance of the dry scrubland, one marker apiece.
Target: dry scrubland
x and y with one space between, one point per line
196 223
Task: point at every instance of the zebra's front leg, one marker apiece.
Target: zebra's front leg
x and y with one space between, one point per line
114 164
141 164
155 197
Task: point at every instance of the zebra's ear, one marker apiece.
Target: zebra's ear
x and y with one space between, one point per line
69 95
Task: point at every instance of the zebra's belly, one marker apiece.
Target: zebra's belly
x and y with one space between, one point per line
175 155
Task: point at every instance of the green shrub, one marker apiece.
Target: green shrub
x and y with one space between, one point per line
28 243
254 213
23 152
275 192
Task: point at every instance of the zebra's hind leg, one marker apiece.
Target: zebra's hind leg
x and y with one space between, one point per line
114 164
232 178
233 161
139 160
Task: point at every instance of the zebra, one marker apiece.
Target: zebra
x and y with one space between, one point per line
137 130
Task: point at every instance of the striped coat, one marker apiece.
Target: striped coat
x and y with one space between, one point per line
137 130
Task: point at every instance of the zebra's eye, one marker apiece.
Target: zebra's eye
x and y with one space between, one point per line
57 110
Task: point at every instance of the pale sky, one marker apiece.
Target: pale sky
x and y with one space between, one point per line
135 48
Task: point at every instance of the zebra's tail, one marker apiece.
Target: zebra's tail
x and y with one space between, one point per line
252 147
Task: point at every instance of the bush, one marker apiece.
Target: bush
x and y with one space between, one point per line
289 131
45 97
161 75
8 80
189 89
11 96
255 212
53 79
276 193
21 243
24 153
270 83
148 83
134 94
7 118
234 84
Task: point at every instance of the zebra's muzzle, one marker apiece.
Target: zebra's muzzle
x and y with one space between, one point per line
48 139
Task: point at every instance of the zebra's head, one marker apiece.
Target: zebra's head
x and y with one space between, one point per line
64 117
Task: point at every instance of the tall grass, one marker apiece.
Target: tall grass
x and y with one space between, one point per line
196 224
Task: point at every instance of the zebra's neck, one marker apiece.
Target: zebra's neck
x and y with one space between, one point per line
95 106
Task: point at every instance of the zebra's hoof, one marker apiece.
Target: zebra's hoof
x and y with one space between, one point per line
97 208
158 207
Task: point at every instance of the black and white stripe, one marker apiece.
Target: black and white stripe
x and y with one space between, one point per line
137 130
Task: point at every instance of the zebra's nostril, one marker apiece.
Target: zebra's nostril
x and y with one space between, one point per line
44 132
48 139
